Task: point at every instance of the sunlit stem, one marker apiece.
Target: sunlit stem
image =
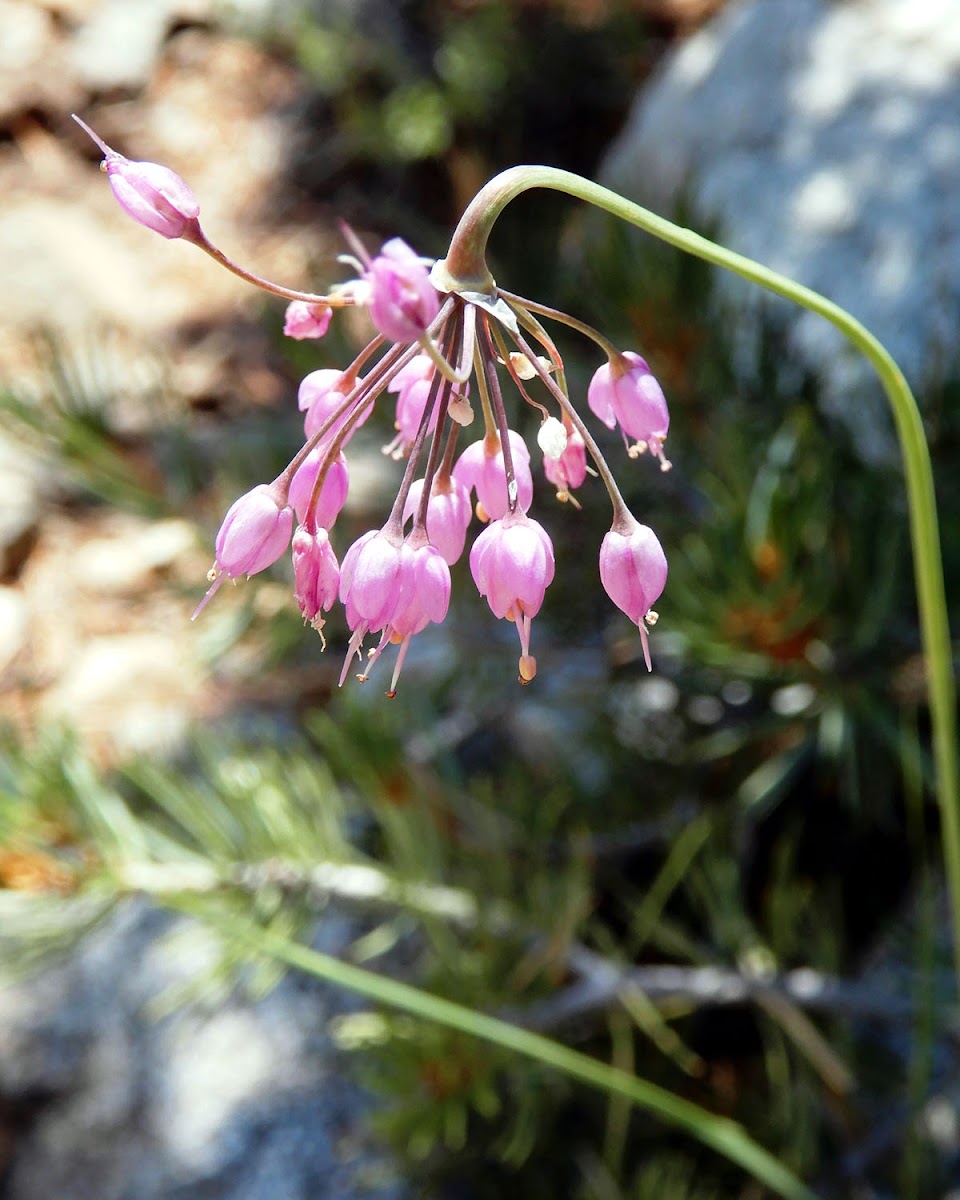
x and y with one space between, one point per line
439 393
489 424
500 414
353 370
456 338
504 352
532 325
620 509
454 374
466 269
544 310
449 450
200 239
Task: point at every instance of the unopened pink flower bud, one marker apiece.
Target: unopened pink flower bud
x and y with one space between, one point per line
303 320
633 571
153 195
403 301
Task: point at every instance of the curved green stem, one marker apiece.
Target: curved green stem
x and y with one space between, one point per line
719 1133
465 267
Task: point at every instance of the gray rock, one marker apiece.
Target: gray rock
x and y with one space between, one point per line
121 43
823 138
135 1095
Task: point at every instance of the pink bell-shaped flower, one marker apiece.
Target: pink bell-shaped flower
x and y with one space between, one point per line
623 391
411 403
372 586
333 494
153 195
316 574
481 468
413 384
633 571
570 469
512 565
448 514
426 598
303 320
370 579
254 533
403 301
421 366
320 394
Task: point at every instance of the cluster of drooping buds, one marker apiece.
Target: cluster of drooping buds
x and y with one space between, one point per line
434 338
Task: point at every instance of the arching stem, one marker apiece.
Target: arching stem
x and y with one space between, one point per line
465 269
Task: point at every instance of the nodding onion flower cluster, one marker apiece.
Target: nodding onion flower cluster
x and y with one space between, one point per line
434 337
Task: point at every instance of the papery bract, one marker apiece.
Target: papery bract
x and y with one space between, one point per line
403 301
633 571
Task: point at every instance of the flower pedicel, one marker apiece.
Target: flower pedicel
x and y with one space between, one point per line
439 334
